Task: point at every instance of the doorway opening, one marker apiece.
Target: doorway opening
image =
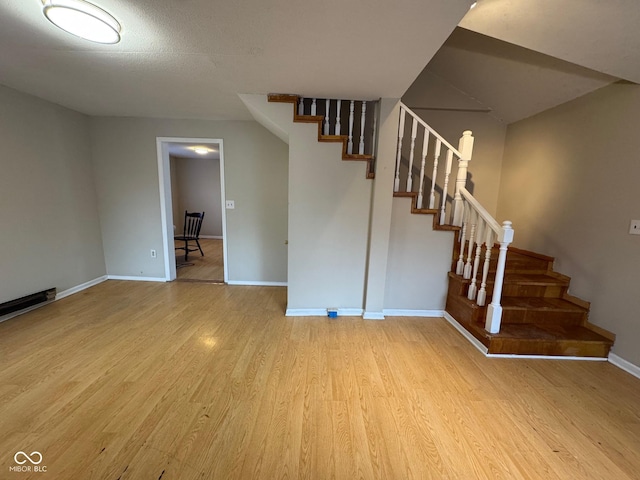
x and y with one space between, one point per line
191 177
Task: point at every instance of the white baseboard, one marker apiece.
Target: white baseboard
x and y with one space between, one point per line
625 365
257 283
136 279
322 312
59 296
474 341
215 237
373 316
82 286
395 312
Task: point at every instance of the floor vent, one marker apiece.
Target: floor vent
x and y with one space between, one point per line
29 301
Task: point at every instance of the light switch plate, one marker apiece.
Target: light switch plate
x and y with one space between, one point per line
230 204
634 229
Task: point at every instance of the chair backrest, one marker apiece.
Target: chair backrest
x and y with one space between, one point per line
192 223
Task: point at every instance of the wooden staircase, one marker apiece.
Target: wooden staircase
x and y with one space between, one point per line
539 316
318 119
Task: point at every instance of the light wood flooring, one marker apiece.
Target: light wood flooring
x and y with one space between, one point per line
209 267
137 380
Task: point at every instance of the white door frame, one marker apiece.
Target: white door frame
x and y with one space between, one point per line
166 205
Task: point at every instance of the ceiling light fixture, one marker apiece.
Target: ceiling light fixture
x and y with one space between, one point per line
473 5
201 150
82 19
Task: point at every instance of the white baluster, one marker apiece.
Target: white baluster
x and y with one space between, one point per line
414 131
473 217
473 288
482 293
445 187
314 108
466 149
396 184
327 108
494 310
432 197
463 235
362 121
425 148
337 131
350 143
301 106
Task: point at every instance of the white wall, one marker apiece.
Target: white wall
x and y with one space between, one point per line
570 186
419 261
50 232
197 189
125 163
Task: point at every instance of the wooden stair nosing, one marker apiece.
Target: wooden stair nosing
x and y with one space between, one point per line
427 211
318 119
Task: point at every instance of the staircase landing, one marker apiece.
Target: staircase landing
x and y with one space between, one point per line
539 316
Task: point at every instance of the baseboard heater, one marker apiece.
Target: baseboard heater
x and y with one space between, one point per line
25 302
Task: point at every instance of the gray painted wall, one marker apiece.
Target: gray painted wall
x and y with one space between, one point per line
419 261
195 187
50 234
329 202
570 186
125 163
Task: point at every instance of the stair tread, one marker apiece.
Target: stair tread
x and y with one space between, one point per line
540 303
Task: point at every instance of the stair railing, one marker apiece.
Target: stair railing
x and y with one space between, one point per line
354 118
432 140
478 229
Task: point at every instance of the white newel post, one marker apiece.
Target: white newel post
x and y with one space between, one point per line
494 310
465 146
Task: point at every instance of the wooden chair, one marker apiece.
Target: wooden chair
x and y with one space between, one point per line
191 232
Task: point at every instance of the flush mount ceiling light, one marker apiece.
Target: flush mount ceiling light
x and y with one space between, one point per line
201 150
473 5
82 19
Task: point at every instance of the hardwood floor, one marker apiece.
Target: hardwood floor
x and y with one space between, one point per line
209 267
137 380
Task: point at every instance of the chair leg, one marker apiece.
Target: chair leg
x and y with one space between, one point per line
198 243
186 250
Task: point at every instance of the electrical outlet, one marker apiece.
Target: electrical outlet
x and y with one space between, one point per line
153 253
230 204
634 229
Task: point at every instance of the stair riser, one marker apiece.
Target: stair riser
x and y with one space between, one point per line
515 290
543 317
537 347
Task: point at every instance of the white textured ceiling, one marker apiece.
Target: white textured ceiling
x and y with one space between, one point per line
602 35
511 81
190 58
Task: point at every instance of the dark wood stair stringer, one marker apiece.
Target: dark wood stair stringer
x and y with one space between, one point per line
539 316
319 119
